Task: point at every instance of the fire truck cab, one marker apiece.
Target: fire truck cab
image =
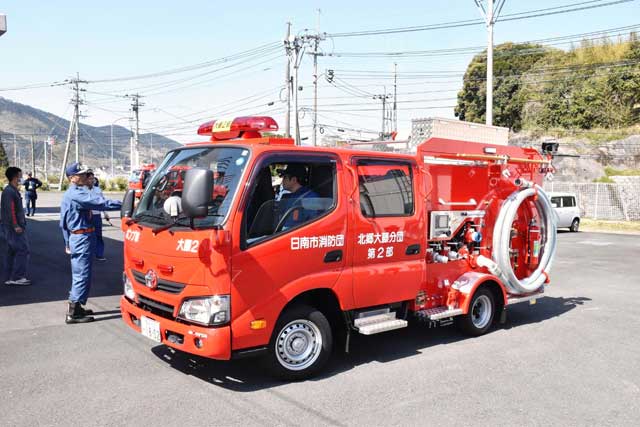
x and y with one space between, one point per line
363 242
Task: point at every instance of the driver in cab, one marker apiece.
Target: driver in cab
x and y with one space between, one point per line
291 206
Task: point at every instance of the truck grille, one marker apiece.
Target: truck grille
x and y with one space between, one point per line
163 285
156 307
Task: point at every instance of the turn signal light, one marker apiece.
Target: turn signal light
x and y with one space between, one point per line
258 324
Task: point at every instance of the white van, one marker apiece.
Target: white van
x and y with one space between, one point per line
567 209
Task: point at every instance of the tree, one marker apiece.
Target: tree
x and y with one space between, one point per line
596 85
4 161
510 62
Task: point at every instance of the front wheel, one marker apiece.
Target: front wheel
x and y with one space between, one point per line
575 225
301 343
480 316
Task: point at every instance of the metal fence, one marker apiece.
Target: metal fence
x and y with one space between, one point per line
602 201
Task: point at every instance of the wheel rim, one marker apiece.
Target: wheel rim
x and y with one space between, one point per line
481 311
575 225
298 345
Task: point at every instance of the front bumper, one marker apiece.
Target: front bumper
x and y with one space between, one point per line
215 343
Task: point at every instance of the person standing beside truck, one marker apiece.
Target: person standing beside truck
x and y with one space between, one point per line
31 186
76 215
13 227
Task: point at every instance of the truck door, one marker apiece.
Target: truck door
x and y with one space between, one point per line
291 239
389 233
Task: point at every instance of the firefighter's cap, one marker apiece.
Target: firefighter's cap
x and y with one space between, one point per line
294 169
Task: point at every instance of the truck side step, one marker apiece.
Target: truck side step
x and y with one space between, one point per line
515 299
438 313
376 324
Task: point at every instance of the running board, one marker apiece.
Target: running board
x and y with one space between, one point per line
515 299
376 324
438 313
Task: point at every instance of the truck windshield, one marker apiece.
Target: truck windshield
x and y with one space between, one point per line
227 164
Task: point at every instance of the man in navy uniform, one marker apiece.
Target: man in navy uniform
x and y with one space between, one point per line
31 186
76 219
294 178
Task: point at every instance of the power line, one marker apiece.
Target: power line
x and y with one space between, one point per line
551 41
250 52
572 7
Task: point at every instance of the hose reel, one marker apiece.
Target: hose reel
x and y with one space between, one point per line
501 237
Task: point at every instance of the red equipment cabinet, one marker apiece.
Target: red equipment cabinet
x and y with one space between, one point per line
368 240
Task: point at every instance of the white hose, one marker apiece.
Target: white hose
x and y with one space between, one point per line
502 237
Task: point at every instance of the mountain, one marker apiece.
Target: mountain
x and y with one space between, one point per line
22 122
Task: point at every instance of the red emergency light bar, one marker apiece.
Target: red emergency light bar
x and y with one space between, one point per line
240 127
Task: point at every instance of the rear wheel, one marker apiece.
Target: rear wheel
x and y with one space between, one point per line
575 225
480 316
301 343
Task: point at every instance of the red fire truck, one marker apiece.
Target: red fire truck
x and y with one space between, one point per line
364 242
139 178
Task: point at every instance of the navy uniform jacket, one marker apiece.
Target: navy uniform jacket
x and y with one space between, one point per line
77 204
290 200
31 185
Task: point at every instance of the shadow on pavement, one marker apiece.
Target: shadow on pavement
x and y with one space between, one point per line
47 210
50 268
246 375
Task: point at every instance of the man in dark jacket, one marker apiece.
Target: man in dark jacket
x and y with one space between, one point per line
13 228
30 194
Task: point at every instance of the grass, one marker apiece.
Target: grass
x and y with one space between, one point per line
627 227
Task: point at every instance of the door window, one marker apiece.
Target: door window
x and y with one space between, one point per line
385 188
568 202
556 201
287 194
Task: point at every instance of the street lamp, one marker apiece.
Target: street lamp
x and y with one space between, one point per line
113 123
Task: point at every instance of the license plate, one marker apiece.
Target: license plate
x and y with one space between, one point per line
150 328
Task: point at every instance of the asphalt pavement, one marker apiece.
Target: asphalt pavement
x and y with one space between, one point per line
571 359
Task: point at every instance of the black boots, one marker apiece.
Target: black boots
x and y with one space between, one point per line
77 314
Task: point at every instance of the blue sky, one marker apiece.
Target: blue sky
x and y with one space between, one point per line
49 41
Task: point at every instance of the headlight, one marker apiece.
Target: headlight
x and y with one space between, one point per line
206 311
128 287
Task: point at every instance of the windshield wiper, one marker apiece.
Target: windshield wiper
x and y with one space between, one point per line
175 223
140 216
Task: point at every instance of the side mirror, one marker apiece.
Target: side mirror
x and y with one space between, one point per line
554 205
128 204
197 191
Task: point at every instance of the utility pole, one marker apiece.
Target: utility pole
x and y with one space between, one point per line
15 150
65 156
315 39
297 48
46 172
383 97
395 97
491 16
77 102
33 158
74 126
287 47
135 141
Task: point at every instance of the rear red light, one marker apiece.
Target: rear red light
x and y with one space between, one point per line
245 127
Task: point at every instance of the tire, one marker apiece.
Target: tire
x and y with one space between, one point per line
300 345
575 225
481 313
